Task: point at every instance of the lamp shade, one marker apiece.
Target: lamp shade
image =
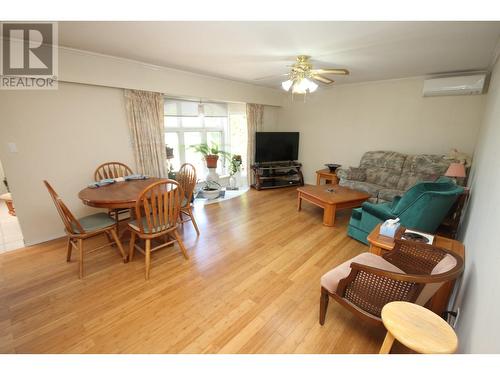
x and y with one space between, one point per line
455 170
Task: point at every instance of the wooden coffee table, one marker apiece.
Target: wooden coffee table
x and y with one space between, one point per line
339 198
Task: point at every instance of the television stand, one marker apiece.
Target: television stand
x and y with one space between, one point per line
275 175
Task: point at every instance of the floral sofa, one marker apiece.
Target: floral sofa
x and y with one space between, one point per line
387 174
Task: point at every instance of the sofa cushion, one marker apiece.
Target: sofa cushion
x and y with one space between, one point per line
388 195
330 280
383 159
382 176
366 187
422 167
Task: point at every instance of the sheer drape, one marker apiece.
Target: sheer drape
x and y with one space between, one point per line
145 120
255 115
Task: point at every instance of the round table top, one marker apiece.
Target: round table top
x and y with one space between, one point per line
418 328
118 195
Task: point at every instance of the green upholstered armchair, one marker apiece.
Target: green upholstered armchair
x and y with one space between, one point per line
422 207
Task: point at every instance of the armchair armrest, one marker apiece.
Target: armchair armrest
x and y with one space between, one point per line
351 173
381 211
371 288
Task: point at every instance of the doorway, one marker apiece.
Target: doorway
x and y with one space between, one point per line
11 237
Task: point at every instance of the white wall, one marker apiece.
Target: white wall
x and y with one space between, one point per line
478 325
61 136
339 124
85 67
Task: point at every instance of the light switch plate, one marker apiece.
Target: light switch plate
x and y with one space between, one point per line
12 147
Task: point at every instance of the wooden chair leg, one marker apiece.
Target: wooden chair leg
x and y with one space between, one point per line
323 305
69 248
147 253
132 246
119 244
181 244
190 213
80 261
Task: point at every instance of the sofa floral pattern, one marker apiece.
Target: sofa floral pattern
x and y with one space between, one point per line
387 174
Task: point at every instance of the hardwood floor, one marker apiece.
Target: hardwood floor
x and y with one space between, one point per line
251 286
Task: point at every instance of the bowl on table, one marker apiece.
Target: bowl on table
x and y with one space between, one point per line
333 167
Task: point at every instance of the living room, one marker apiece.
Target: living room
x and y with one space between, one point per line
404 113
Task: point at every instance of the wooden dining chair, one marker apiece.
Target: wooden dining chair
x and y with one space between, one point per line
186 177
156 214
113 169
83 228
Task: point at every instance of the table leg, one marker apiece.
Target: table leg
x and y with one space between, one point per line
329 215
387 344
318 179
299 202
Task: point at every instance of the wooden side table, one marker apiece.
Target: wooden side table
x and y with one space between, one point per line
380 245
417 328
329 177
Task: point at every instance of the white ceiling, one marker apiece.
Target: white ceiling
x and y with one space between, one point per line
247 51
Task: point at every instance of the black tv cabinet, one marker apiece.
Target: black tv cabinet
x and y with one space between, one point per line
277 175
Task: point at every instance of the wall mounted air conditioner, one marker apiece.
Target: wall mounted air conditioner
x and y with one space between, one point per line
473 84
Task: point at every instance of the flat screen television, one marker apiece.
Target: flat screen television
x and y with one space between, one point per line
276 146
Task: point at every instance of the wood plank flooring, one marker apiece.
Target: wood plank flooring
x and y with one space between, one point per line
251 286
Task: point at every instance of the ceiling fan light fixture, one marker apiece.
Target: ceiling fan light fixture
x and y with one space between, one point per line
287 84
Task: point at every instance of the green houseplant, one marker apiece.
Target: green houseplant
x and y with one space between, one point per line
210 153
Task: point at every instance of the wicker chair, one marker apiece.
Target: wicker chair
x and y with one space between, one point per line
411 272
113 169
186 177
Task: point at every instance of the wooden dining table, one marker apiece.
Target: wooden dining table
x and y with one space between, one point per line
118 195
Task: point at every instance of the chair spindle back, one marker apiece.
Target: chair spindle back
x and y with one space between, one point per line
158 206
186 177
113 169
71 224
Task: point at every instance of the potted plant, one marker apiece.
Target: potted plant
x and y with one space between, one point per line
210 153
211 189
234 170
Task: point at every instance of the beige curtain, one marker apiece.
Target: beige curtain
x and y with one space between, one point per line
255 115
145 120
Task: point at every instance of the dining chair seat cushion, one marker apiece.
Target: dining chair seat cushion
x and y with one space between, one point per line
133 224
330 280
95 222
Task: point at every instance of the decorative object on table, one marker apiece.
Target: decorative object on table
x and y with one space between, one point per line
455 171
234 172
390 227
112 170
186 177
332 167
154 221
211 156
103 182
411 272
423 207
211 189
417 328
413 235
83 228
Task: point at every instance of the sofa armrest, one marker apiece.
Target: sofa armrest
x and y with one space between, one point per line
381 210
351 173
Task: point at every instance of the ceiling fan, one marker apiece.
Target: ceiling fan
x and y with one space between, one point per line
302 76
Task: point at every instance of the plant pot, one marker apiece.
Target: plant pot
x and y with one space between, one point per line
211 194
211 161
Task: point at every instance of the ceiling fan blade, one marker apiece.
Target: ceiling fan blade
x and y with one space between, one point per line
343 72
322 79
271 77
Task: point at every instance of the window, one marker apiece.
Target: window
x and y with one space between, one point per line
188 123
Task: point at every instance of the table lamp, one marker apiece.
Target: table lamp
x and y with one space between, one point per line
456 170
